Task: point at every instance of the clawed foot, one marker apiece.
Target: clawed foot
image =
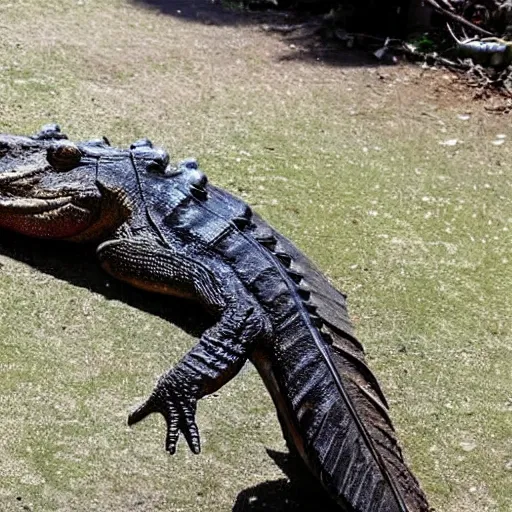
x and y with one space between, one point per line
179 413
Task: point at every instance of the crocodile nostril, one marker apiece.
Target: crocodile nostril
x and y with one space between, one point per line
63 156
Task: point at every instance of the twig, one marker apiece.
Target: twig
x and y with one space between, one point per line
448 4
434 58
480 74
450 63
452 33
283 29
458 19
499 109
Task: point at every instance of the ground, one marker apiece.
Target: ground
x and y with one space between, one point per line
392 179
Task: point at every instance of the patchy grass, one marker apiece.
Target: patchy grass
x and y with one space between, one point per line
347 162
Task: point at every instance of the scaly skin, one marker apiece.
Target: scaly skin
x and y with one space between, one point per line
166 230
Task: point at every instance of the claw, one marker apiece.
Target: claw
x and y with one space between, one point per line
144 410
191 434
179 416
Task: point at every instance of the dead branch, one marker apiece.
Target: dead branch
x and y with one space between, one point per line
458 19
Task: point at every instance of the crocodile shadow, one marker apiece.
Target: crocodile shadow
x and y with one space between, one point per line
212 12
209 12
299 492
78 266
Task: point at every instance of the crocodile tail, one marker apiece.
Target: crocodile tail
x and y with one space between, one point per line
338 424
350 438
365 395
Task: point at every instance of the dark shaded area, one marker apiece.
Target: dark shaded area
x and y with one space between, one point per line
314 49
311 38
78 266
387 17
297 493
211 12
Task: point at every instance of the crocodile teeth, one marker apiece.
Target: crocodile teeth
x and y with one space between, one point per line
24 205
268 242
141 143
49 132
198 193
197 182
241 222
316 320
327 338
310 307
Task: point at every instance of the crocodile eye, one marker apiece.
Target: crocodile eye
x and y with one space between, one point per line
63 156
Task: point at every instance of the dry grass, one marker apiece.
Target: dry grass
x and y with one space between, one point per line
347 162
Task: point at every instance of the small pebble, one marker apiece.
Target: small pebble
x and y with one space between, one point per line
449 142
468 446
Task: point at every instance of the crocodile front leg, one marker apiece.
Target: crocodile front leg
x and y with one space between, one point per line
216 359
222 350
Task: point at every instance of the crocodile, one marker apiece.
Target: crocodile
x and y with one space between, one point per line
165 228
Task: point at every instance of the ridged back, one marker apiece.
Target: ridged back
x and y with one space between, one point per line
340 410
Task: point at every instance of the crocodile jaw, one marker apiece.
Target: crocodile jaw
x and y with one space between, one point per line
28 207
37 201
44 218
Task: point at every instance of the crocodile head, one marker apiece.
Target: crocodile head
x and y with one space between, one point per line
49 189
